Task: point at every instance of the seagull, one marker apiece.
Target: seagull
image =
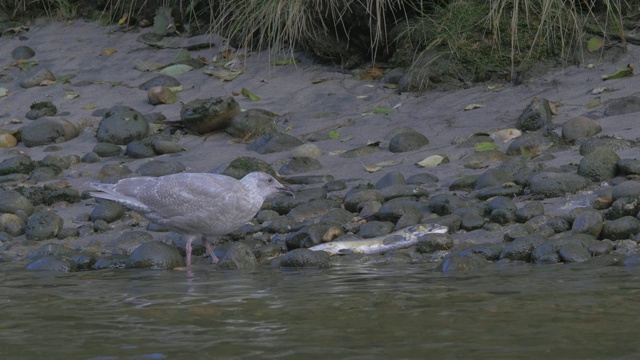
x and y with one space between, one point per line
196 205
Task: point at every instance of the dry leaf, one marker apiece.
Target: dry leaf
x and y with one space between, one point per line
90 107
336 152
70 94
108 52
4 92
595 102
319 80
123 19
223 74
506 134
433 160
473 106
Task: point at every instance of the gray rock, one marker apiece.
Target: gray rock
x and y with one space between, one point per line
57 161
434 242
43 225
300 165
108 211
625 189
520 249
588 221
122 125
546 253
533 142
37 78
159 168
362 151
588 146
409 191
13 201
22 53
53 263
155 255
551 184
238 256
305 258
307 150
45 173
284 204
159 95
451 221
308 179
312 209
103 149
464 183
462 263
625 206
493 177
90 158
629 166
160 80
163 146
138 149
336 217
407 141
471 217
354 199
622 228
129 241
599 165
41 109
444 204
306 237
422 178
490 251
536 116
502 216
624 105
274 142
111 262
506 190
393 211
242 166
48 130
113 171
56 250
281 225
206 115
12 224
390 179
529 210
373 229
580 127
251 124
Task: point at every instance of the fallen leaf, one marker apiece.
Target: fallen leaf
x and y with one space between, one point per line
336 152
378 166
346 138
486 146
70 94
90 107
123 19
319 80
47 82
622 71
595 102
288 128
372 73
473 106
506 134
176 89
253 97
147 66
177 69
601 90
433 160
381 110
286 61
372 168
223 74
183 55
108 52
24 65
63 79
595 44
334 134
4 92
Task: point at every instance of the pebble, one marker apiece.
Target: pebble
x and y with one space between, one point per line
48 130
251 124
274 142
203 116
120 125
155 255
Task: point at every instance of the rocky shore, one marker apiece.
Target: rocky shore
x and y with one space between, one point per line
543 173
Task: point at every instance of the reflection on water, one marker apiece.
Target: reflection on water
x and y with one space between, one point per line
346 312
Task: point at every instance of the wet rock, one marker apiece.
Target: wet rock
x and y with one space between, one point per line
394 210
598 248
529 210
572 253
13 202
536 116
312 209
159 95
588 146
450 221
520 249
139 149
551 184
48 130
40 109
390 179
361 151
306 237
107 149
464 183
56 161
434 242
108 211
515 231
409 191
163 146
45 173
305 258
407 141
53 263
369 209
157 168
251 124
588 221
533 143
90 158
43 225
546 253
281 225
308 179
505 190
471 217
599 165
122 125
113 171
128 242
300 165
155 255
274 142
622 228
336 217
56 250
334 185
625 206
307 150
624 105
483 159
238 256
625 189
354 199
493 177
444 204
111 262
283 204
629 166
421 179
459 263
373 229
12 224
84 260
40 78
241 166
580 127
490 251
160 80
206 115
22 53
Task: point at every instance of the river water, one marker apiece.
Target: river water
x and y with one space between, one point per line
350 311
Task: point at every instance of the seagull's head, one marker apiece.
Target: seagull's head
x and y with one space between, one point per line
266 184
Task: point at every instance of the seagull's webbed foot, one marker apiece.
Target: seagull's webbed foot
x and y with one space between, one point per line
207 245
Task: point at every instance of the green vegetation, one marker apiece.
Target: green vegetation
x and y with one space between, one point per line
467 40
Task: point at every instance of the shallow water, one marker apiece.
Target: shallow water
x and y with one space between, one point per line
384 311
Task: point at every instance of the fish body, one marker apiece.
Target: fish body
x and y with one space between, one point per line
400 239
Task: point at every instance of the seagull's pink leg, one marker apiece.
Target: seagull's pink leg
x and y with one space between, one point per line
214 258
188 251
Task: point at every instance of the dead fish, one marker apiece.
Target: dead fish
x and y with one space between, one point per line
400 239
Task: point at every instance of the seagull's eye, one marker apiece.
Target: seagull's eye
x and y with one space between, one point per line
270 180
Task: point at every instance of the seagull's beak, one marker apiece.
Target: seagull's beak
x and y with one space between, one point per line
286 189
